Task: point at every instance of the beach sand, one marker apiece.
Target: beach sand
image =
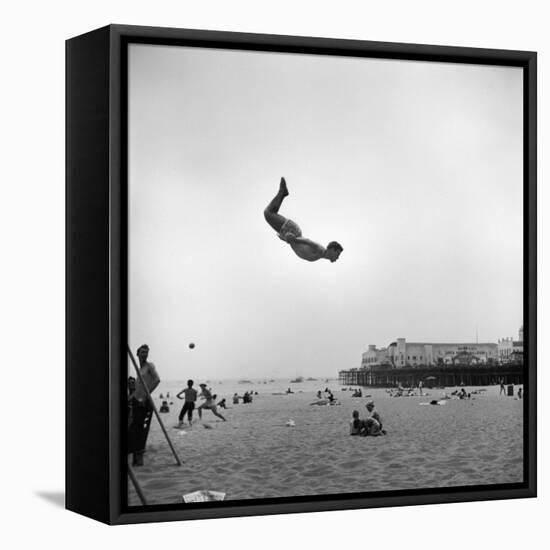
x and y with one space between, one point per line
254 455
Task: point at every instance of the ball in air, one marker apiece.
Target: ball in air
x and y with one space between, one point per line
191 345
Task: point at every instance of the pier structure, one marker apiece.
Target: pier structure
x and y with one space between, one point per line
439 364
433 376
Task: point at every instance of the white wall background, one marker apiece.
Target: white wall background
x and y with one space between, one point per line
32 290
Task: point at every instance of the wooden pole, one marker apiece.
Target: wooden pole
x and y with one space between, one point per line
136 485
178 461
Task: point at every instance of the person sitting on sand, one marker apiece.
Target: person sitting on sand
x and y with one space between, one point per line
364 428
190 394
222 404
357 426
209 403
236 399
290 232
369 426
164 408
374 428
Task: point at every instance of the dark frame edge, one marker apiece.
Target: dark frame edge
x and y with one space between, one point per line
116 36
319 45
87 240
326 505
117 266
530 251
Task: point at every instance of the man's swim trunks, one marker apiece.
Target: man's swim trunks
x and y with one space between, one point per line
290 227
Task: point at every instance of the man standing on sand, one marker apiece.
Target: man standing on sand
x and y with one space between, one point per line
209 403
189 403
290 232
141 406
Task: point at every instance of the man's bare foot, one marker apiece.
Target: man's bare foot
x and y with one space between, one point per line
283 188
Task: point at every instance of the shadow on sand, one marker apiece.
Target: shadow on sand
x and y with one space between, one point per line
57 498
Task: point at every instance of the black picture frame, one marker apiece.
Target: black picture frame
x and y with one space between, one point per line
96 268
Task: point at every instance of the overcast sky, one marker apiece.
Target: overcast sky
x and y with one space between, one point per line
414 167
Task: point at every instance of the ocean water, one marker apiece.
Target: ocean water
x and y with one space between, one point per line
227 388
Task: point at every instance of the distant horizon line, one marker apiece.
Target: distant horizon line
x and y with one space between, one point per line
255 379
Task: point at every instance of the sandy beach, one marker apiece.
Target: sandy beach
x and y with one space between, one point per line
255 455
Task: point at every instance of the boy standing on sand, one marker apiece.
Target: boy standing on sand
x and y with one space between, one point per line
189 403
290 232
209 403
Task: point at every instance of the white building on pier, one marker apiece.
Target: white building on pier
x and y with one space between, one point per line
409 354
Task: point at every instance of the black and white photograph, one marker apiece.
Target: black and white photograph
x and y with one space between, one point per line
275 274
325 275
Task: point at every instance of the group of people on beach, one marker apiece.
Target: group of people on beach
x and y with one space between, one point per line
190 398
372 425
140 406
326 399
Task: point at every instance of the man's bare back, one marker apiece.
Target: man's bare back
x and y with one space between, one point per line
305 248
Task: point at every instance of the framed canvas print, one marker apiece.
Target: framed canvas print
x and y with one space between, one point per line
301 274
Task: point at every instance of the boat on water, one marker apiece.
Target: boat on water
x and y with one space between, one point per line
310 379
245 382
297 380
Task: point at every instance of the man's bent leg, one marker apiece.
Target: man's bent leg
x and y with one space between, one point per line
216 413
182 413
271 213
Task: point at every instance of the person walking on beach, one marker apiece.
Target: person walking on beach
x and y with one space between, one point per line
209 403
190 394
141 406
290 232
502 387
